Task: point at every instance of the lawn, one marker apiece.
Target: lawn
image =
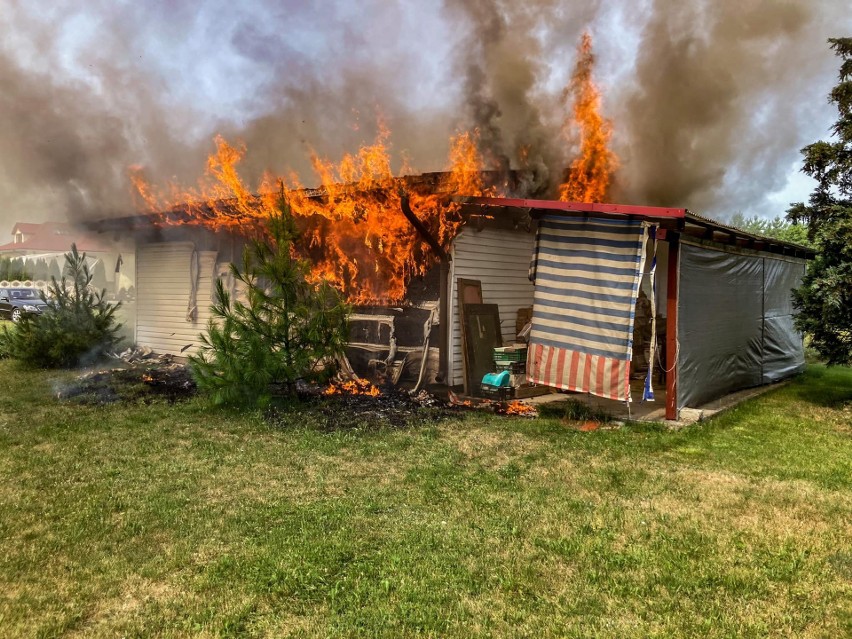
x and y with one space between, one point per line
178 520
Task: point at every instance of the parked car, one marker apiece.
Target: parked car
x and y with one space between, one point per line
17 302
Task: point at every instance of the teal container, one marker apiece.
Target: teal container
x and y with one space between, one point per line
497 379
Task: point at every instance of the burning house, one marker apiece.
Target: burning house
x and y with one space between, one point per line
453 275
620 299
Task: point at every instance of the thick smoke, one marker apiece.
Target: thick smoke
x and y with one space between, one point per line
502 67
54 141
69 139
371 65
723 95
710 101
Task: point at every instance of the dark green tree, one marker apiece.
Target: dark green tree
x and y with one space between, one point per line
13 269
21 268
283 329
77 327
40 269
10 270
777 227
53 271
824 302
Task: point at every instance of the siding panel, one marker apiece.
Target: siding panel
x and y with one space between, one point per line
163 290
500 260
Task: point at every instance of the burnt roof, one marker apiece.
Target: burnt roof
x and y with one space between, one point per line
674 219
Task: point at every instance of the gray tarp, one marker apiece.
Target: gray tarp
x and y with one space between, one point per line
735 324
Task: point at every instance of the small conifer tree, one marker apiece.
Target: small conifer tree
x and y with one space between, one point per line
281 332
77 326
12 269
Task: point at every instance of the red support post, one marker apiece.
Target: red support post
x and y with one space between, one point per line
671 326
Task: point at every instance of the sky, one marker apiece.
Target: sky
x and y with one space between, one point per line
710 101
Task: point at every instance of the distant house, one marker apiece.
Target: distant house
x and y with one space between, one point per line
40 250
54 238
23 231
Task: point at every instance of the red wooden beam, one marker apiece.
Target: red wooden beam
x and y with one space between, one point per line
581 207
671 326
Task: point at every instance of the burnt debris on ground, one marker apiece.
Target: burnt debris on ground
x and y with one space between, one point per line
136 375
139 375
359 405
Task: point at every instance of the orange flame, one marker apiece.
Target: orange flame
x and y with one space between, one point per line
519 408
352 387
353 229
591 171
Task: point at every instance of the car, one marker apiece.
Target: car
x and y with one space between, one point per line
17 302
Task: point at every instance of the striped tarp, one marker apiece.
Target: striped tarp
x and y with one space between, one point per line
587 273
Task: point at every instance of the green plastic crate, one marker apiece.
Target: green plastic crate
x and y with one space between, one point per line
509 354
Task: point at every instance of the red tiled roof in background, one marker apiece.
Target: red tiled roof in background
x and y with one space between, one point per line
42 227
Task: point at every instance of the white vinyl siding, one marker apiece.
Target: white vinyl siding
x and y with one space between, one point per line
500 260
163 292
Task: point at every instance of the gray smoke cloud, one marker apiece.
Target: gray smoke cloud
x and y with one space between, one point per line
710 101
69 139
503 67
372 67
54 139
722 96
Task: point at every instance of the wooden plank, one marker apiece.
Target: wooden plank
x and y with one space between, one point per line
444 338
522 392
469 292
481 334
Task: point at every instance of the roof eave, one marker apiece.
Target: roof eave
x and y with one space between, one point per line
677 219
541 207
724 234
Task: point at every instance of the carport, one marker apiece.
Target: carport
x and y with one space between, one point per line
719 297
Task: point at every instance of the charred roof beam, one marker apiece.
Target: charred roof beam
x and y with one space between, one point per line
405 205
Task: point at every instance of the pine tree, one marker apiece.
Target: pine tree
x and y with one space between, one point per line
824 302
16 270
77 327
40 270
282 332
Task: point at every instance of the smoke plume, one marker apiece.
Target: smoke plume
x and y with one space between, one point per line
709 101
502 67
722 97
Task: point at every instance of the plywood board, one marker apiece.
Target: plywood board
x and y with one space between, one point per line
469 292
482 334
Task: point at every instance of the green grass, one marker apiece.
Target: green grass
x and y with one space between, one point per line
159 520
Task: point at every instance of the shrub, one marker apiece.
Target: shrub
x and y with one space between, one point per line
286 328
77 327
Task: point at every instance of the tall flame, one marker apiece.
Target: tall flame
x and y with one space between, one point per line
590 173
353 229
